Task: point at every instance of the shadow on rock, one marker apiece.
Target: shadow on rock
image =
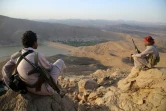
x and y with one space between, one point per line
79 65
127 61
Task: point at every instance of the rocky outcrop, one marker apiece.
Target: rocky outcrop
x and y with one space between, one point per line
103 90
146 88
140 90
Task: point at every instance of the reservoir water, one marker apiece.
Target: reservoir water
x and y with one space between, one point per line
6 52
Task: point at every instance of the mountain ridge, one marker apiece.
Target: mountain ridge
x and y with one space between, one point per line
12 29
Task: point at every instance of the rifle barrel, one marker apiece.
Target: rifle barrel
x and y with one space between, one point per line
133 42
136 47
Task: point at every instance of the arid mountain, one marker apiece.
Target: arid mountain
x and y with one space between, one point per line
120 26
98 22
11 30
116 54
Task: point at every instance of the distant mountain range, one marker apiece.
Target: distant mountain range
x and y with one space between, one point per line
11 30
120 26
98 22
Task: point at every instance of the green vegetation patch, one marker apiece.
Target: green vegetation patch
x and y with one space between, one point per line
81 43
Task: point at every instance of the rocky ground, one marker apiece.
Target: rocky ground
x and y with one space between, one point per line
102 90
119 91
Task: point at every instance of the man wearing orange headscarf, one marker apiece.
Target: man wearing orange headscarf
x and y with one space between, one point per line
149 57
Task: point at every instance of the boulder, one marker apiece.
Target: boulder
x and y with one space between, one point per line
150 93
152 78
87 85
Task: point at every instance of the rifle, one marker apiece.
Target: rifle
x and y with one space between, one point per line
136 49
45 75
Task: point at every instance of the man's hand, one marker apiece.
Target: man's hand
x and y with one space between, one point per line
131 58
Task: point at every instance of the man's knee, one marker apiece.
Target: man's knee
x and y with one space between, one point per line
60 60
60 64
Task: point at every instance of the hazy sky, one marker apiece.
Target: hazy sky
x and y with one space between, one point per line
137 10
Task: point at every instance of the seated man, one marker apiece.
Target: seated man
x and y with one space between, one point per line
29 41
149 57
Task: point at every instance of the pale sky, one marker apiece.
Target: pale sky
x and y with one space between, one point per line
136 10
